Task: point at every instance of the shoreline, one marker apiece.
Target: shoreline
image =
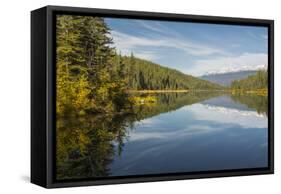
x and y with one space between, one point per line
172 91
231 91
156 91
260 92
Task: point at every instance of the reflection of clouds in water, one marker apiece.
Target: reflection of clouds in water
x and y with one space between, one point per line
235 111
148 135
158 119
205 119
156 133
246 119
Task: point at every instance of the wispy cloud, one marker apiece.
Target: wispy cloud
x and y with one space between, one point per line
149 55
159 28
257 36
156 27
128 43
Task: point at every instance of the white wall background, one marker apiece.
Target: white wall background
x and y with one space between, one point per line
15 95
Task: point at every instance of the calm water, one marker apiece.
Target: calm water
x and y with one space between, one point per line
180 133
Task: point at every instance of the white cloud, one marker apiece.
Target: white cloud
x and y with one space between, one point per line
185 132
245 61
128 44
149 55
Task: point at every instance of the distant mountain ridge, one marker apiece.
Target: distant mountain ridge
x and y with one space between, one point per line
225 79
238 69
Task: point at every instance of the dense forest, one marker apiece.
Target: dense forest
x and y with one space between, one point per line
146 75
93 78
259 81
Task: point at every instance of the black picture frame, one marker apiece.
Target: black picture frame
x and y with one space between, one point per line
43 93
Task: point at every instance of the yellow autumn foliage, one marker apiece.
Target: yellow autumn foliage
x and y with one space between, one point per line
72 93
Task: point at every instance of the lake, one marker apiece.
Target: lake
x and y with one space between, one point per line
181 132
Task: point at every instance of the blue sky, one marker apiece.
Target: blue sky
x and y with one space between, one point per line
192 48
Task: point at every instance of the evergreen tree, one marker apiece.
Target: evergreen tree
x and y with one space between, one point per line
257 81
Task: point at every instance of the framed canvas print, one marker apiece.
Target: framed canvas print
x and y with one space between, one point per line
125 96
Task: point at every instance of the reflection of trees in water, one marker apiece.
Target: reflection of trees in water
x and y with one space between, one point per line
257 102
86 146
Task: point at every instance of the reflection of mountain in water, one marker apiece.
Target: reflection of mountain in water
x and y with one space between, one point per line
254 103
226 102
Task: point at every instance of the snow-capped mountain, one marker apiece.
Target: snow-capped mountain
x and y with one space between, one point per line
237 69
226 76
225 79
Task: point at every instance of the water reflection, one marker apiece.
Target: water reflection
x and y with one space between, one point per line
182 132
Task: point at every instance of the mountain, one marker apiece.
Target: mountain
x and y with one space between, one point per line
225 79
146 75
238 69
